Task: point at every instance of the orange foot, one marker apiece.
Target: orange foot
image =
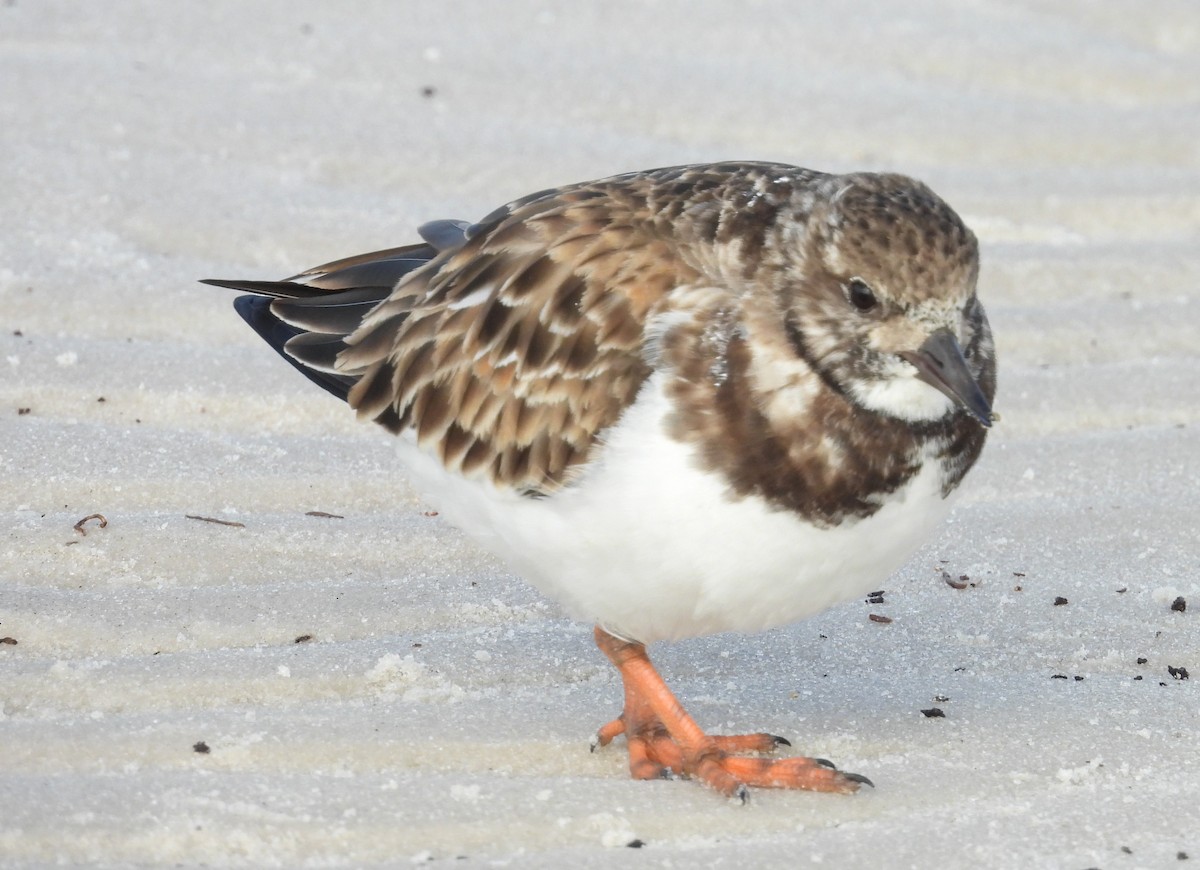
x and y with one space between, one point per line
664 740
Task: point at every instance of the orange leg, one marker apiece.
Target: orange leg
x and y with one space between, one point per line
664 740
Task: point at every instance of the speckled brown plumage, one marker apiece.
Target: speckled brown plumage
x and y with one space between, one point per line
833 463
525 336
509 354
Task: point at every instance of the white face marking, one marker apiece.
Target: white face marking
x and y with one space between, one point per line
902 395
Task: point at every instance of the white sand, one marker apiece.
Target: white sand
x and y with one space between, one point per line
441 708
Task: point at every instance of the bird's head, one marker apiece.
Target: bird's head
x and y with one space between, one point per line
884 307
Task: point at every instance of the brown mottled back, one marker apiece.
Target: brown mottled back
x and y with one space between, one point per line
508 355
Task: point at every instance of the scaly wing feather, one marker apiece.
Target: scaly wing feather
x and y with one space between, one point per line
510 354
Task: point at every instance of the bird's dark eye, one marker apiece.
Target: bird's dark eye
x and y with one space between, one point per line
861 296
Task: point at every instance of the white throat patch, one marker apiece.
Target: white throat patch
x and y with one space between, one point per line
904 397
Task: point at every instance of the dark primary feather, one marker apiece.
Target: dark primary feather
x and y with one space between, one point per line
256 311
306 318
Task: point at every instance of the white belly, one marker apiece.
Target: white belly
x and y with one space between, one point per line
652 548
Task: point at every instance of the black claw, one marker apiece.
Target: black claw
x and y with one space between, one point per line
741 795
859 778
780 741
826 763
667 773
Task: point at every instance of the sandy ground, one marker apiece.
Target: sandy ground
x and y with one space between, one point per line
439 711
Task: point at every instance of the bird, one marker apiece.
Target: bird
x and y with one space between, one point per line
682 401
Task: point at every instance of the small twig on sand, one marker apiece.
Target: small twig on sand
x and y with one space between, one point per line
217 521
79 525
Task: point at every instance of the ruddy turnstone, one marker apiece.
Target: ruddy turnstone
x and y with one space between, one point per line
683 401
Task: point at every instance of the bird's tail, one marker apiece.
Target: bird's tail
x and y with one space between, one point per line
306 318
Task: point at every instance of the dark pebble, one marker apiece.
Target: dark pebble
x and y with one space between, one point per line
954 584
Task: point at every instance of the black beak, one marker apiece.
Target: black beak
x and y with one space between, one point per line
940 363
